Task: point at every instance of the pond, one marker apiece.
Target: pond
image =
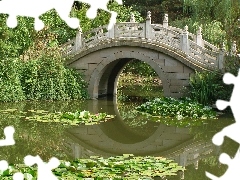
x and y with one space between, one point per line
128 133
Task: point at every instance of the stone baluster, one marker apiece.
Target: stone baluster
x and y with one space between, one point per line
148 26
184 40
111 32
78 40
221 57
199 39
133 20
234 48
165 21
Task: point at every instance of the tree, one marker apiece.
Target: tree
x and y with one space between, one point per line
14 42
224 11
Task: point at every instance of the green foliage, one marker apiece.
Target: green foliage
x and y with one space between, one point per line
206 87
43 74
140 68
177 108
223 11
10 85
14 42
46 78
232 64
119 167
212 31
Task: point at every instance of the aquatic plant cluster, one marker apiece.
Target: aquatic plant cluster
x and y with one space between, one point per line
177 108
126 166
65 118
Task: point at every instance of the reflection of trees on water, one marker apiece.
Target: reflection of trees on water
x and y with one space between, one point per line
35 138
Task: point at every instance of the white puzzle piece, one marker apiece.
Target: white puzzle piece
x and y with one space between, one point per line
35 8
231 131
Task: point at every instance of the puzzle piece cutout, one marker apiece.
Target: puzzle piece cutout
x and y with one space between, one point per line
44 169
35 8
232 172
231 131
3 165
95 5
9 140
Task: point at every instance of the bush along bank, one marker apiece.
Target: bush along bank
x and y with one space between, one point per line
40 75
206 87
40 79
177 108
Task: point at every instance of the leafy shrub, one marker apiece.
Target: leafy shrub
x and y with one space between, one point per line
206 87
10 85
178 108
48 79
44 75
232 64
40 75
75 86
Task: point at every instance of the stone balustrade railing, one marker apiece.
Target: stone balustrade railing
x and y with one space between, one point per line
192 45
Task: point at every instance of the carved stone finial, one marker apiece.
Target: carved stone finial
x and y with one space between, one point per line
165 18
165 21
223 48
79 29
186 28
100 31
199 32
148 15
234 48
132 19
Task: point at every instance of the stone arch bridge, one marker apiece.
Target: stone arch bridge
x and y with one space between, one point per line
173 53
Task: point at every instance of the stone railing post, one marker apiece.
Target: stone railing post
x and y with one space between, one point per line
111 32
221 57
184 40
234 48
199 39
78 41
148 26
165 21
133 20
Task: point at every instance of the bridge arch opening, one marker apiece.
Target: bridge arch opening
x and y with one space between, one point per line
138 81
108 80
102 67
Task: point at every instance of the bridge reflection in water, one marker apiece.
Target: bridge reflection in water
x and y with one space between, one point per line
116 138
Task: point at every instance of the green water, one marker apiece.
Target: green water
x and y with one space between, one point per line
126 133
